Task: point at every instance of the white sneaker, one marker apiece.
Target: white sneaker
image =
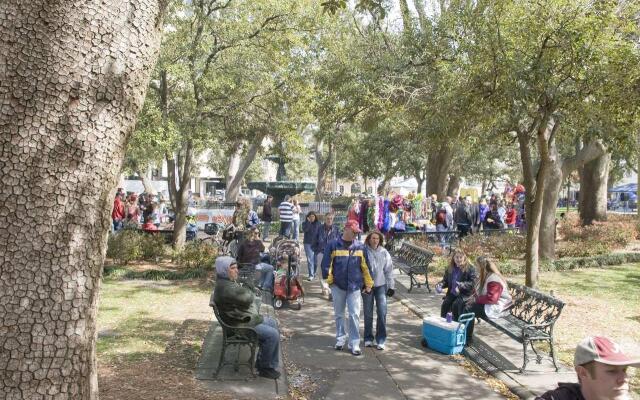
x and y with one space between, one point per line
368 343
381 346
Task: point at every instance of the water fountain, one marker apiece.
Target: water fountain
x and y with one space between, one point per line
281 187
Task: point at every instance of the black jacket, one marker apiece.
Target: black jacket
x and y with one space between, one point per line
565 391
309 229
466 282
267 215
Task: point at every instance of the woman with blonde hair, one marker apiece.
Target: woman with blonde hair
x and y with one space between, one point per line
460 281
491 296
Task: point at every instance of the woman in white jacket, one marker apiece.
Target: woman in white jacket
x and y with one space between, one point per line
383 285
492 296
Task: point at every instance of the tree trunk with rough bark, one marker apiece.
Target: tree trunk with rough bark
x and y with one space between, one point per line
594 178
553 185
179 171
70 90
439 161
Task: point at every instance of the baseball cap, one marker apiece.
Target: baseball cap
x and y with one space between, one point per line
353 225
602 350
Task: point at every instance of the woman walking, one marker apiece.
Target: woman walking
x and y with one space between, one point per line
296 220
383 286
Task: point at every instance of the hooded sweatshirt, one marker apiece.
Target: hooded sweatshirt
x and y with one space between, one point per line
234 302
381 267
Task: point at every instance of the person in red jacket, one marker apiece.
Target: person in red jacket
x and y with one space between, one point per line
510 217
491 296
117 215
149 224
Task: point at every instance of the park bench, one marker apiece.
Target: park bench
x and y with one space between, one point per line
236 336
413 260
446 239
530 319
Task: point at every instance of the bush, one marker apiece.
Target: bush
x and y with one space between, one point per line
125 246
500 247
152 247
598 238
197 255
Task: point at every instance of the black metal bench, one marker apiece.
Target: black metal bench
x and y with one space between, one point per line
530 319
413 260
444 239
236 336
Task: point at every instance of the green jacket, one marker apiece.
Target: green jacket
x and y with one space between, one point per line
235 303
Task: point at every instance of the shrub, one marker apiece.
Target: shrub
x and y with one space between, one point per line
595 239
152 247
197 255
501 247
125 246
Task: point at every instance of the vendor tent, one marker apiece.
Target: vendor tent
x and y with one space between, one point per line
630 190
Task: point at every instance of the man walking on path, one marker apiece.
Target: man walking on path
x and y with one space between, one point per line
286 217
464 216
323 234
267 217
347 272
601 367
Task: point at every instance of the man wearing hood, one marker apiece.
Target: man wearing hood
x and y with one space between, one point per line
237 307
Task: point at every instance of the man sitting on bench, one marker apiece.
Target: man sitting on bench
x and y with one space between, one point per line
236 305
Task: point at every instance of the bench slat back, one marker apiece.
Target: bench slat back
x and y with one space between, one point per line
532 306
415 255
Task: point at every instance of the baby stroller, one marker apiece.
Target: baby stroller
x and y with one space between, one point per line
286 286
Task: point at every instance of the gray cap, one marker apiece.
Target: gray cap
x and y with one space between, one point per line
602 350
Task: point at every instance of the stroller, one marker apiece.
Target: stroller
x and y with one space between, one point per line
286 287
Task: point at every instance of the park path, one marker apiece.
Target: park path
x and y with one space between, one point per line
403 371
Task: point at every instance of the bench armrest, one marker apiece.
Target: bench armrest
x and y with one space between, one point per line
536 326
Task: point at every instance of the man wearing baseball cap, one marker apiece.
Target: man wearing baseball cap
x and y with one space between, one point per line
601 367
346 268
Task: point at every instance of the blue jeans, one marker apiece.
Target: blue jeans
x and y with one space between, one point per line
285 228
296 229
350 300
266 275
311 260
266 229
378 294
269 341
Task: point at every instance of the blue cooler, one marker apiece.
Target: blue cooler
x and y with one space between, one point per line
446 337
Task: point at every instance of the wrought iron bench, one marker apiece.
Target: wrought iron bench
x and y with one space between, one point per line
444 239
530 319
236 336
413 260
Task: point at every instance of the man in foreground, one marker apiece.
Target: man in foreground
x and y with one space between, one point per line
601 367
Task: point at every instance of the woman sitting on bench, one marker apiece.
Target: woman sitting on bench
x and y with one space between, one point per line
460 280
236 305
491 297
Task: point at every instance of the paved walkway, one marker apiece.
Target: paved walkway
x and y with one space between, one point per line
403 371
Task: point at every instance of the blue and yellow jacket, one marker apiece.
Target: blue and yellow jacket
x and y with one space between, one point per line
347 268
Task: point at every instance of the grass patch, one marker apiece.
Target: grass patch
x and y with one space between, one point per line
123 273
137 319
598 301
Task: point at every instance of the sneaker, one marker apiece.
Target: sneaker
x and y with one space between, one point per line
269 373
309 278
356 351
368 343
339 347
380 346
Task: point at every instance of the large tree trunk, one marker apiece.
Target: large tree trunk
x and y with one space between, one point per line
234 182
70 91
453 186
234 164
594 177
438 169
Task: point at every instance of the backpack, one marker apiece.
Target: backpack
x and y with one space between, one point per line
441 217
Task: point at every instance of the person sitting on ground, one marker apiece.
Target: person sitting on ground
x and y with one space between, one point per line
237 307
383 285
149 224
491 296
459 280
251 252
601 367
